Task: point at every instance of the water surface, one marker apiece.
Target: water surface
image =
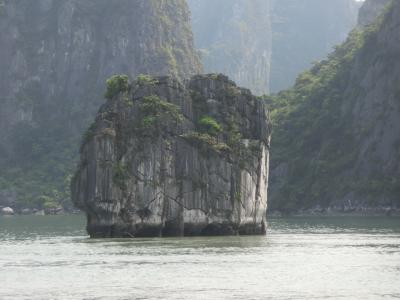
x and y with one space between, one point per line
51 257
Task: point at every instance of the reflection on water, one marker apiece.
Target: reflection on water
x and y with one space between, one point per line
301 258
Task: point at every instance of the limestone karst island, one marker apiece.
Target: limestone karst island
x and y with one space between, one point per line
165 158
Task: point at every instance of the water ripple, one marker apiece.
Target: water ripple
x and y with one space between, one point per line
300 258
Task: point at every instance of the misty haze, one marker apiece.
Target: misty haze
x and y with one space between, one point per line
199 149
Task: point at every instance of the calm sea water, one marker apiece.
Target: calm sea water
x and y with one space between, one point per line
301 258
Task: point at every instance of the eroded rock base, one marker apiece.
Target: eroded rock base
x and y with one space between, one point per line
174 230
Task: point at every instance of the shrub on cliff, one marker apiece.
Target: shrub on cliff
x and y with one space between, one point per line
156 113
116 84
143 79
206 142
209 125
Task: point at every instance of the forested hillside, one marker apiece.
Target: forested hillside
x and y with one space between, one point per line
336 143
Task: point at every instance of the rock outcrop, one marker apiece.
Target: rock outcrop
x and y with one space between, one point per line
169 159
337 140
7 211
55 58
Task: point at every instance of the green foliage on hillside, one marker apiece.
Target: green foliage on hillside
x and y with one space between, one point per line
47 155
116 84
313 141
44 171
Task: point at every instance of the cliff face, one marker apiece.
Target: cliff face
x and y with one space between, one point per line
55 56
234 37
264 44
337 137
370 10
164 158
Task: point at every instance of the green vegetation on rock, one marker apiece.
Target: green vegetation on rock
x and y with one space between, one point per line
156 114
116 84
209 125
206 142
144 79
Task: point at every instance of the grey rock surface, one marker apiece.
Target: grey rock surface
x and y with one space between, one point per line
7 211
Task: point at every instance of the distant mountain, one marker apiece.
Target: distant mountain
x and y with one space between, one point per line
265 44
235 37
55 56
